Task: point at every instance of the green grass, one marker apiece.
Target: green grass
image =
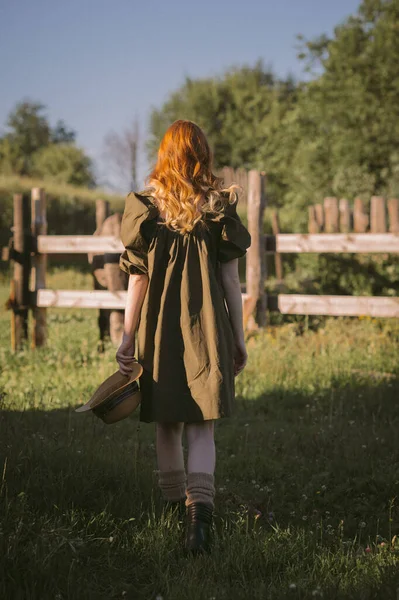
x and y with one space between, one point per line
307 472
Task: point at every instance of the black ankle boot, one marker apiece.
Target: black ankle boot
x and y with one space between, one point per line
199 524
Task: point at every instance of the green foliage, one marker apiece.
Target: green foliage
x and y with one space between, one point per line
63 163
343 274
336 134
353 105
241 113
32 148
61 134
30 131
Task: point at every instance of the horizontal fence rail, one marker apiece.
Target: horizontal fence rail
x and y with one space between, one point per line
290 304
282 243
333 242
81 299
351 306
78 244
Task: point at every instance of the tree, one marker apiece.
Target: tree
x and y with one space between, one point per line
334 134
121 154
64 163
61 134
352 108
32 147
241 112
29 131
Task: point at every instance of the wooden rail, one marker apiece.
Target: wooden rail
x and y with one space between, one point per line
281 243
78 244
333 242
291 304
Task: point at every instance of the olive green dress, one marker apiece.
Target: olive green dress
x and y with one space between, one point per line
185 340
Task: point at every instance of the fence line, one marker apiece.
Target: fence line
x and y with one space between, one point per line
31 245
373 243
291 304
335 216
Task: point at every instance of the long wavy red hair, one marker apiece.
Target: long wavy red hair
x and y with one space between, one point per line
182 182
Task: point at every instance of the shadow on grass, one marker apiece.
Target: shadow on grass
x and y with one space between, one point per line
77 494
290 444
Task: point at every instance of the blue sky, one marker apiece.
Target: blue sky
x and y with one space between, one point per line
97 64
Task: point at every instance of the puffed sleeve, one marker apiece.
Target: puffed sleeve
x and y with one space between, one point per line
235 238
134 259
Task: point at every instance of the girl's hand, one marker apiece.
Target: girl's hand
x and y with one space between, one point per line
125 356
240 357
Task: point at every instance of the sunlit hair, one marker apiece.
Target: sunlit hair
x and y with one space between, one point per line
182 182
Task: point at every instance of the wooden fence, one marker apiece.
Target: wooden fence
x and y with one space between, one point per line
337 215
31 245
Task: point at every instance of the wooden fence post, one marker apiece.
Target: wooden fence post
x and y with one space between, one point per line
256 254
39 267
102 212
20 284
242 180
331 215
227 173
319 213
277 256
360 217
344 216
393 210
378 222
313 225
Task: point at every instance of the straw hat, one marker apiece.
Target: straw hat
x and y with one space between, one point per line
117 397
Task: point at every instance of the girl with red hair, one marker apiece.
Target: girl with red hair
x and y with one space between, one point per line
183 237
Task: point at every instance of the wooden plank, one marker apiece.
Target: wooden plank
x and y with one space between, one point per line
241 176
102 212
297 304
81 299
79 244
333 242
393 211
227 173
39 266
383 306
319 213
256 256
378 221
313 225
331 215
283 242
360 217
344 216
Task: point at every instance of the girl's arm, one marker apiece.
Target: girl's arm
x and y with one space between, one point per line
136 292
232 293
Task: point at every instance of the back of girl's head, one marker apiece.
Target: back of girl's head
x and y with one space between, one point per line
183 177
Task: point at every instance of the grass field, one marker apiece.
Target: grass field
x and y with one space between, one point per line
307 472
